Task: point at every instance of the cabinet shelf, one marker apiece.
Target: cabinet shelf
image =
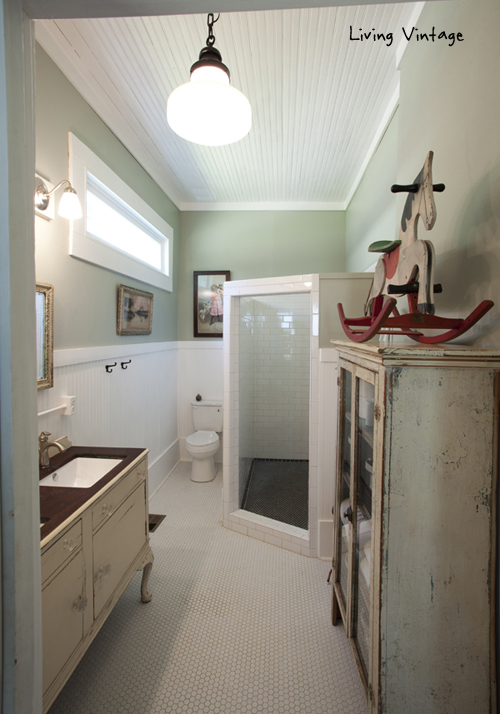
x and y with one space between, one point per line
365 431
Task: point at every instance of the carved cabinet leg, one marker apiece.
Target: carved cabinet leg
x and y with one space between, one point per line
146 572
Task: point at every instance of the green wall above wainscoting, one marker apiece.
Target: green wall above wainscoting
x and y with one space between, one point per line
371 214
85 295
256 244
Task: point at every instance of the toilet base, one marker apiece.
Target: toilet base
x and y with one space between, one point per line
203 470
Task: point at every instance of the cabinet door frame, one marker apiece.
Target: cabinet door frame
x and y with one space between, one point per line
347 610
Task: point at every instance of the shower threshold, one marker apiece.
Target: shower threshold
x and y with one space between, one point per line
279 489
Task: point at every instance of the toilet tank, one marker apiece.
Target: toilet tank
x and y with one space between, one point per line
207 415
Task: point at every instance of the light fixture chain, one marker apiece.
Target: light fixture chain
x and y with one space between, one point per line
211 22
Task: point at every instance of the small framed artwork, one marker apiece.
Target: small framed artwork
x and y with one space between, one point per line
135 311
207 302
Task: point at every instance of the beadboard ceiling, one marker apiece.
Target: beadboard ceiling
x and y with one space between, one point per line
320 101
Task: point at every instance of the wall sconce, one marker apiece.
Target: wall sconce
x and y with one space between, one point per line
69 206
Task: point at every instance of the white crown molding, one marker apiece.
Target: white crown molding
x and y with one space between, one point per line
388 114
50 9
104 110
403 42
306 206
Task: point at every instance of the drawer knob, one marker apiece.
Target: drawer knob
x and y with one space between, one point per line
69 544
140 474
79 604
102 572
107 509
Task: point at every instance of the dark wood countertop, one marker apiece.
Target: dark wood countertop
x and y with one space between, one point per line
58 503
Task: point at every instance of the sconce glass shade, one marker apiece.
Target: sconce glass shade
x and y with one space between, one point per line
69 206
207 110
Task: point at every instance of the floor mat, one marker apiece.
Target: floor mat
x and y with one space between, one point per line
279 489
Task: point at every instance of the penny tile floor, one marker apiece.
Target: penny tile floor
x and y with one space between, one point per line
235 626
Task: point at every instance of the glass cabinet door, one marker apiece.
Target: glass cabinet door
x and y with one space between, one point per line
343 523
365 395
353 509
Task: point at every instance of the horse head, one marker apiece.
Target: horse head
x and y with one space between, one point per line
420 202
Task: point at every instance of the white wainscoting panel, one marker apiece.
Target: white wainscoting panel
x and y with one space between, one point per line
199 372
134 407
328 390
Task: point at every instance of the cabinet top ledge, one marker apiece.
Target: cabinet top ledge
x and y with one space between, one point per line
414 351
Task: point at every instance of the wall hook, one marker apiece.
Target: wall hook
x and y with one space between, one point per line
124 364
109 367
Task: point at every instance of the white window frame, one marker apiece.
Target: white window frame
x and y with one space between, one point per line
87 247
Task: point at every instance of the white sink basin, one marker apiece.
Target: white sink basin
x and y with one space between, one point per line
81 472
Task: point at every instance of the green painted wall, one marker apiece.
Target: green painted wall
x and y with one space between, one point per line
256 244
450 103
371 214
85 294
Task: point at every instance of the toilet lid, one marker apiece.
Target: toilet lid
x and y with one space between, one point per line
202 438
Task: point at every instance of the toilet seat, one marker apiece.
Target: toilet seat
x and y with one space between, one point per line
202 438
202 442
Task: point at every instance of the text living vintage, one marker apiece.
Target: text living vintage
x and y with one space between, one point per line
413 34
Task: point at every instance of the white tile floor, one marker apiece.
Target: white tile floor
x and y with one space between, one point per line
235 626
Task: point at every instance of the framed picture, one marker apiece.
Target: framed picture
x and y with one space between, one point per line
135 311
207 302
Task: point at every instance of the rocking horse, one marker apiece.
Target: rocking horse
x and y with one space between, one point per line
406 267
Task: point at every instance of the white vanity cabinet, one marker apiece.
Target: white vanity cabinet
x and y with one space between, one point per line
63 593
86 566
415 524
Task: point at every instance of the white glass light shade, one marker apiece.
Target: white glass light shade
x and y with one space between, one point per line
69 206
208 112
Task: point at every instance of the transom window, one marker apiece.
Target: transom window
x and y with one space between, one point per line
118 229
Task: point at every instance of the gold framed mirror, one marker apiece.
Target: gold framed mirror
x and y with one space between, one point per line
45 335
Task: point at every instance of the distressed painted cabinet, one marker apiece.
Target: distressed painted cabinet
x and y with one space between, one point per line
415 524
86 566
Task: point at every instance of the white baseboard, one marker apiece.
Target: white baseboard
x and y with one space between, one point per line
160 469
325 540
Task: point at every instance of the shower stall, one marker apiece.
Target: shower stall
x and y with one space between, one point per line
270 448
274 355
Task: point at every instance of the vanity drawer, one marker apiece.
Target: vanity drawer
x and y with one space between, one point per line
107 505
61 550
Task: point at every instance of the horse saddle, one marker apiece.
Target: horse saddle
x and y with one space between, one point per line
384 246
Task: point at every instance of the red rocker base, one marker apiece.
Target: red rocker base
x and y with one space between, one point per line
362 329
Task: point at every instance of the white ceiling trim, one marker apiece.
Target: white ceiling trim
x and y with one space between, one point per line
305 206
389 113
105 110
321 103
53 9
403 43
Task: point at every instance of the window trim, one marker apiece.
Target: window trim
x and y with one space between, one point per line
89 248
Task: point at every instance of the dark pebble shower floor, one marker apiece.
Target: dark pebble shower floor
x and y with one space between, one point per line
279 489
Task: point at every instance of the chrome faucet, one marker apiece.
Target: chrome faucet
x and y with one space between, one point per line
43 448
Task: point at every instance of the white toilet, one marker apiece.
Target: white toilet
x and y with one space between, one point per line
204 443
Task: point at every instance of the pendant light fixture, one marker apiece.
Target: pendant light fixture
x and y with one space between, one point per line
207 110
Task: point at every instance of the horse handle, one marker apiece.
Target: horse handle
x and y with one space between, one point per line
413 188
